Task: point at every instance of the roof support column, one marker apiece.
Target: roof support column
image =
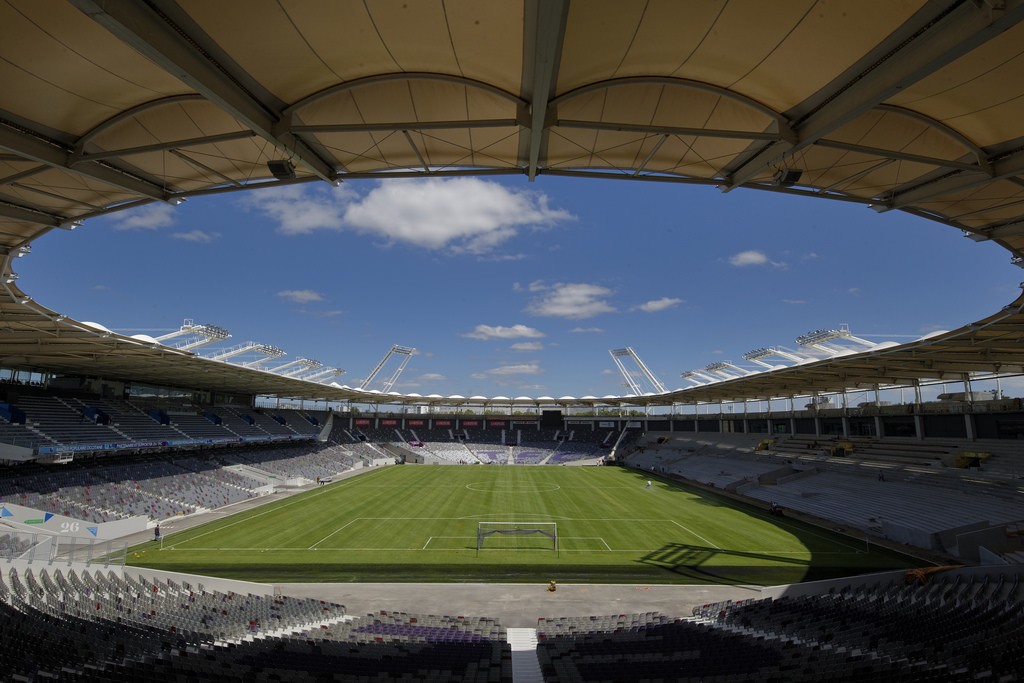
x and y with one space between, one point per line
542 52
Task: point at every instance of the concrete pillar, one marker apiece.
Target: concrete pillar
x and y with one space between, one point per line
969 424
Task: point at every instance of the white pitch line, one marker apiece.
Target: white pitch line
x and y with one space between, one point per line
605 543
568 550
796 529
298 500
691 532
427 543
313 547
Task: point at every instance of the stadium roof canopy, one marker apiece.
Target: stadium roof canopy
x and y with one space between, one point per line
909 105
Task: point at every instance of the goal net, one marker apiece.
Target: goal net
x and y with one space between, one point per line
517 536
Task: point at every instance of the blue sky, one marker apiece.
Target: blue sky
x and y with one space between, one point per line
513 288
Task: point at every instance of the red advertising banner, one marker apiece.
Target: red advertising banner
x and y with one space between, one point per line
471 423
415 423
362 422
496 424
388 423
442 423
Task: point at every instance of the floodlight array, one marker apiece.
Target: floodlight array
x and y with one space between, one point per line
718 366
324 374
690 374
820 337
306 364
269 350
758 354
201 335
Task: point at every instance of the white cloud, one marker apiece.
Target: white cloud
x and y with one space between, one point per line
148 217
659 304
853 290
499 258
587 330
101 288
527 346
574 301
748 258
502 332
301 296
432 377
520 369
324 314
196 236
532 368
462 214
752 257
535 286
300 210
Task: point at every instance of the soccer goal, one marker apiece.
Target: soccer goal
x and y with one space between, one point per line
517 535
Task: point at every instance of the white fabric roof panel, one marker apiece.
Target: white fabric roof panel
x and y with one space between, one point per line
903 105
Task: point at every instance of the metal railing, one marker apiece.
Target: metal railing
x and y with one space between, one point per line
53 549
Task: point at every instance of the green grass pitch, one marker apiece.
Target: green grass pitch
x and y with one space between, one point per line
419 524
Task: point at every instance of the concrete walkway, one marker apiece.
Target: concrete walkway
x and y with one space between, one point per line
516 605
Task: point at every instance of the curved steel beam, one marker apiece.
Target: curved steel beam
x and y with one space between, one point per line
289 111
952 32
33 146
946 130
131 113
142 26
785 131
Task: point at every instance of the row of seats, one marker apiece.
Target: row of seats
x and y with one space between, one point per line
162 486
91 625
56 420
958 629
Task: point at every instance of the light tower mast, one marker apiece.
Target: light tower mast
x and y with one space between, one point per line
631 381
405 351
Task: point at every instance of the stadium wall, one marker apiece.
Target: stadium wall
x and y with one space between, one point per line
207 583
33 521
14 453
823 587
976 544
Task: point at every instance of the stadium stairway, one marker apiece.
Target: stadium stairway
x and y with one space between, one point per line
525 665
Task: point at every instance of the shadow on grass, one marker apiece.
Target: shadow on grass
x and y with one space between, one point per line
702 564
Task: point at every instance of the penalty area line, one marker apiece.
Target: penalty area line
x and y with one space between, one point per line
693 533
313 547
